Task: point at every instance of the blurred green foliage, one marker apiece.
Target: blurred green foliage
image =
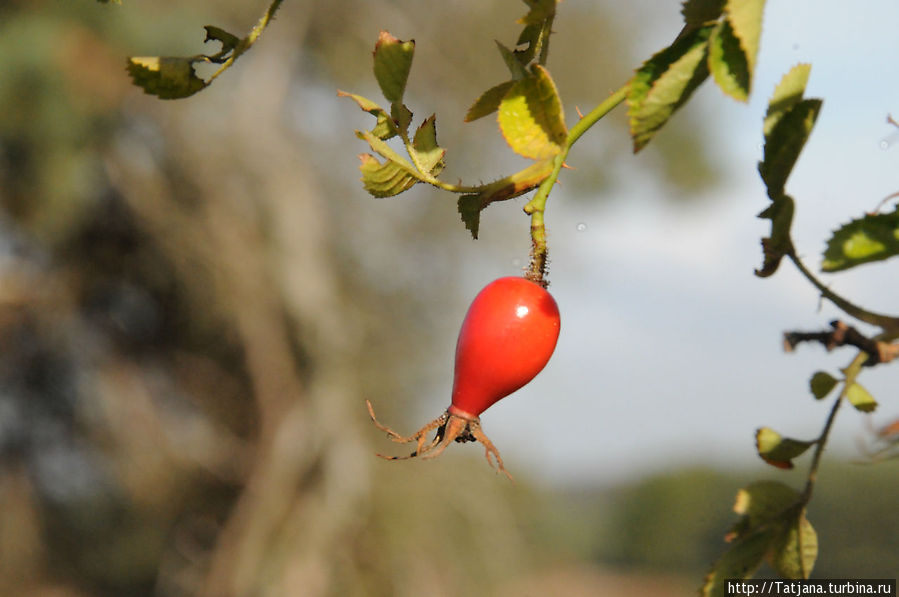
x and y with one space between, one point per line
676 521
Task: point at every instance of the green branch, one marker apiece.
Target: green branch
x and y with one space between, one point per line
851 373
537 205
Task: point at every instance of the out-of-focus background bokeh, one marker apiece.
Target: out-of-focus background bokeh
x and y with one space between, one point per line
197 296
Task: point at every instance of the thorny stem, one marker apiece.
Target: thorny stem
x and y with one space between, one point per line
247 42
537 206
851 373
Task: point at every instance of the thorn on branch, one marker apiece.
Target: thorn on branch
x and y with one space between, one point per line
842 334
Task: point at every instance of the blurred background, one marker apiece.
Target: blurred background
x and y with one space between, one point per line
197 296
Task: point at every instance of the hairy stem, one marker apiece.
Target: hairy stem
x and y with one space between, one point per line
594 115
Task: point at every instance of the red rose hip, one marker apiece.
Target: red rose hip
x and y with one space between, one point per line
507 337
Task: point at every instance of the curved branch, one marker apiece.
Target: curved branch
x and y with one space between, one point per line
888 323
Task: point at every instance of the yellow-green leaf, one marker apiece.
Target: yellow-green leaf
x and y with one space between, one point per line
728 63
384 179
794 551
860 398
530 116
788 93
428 155
383 149
874 237
165 77
385 127
745 17
393 60
777 450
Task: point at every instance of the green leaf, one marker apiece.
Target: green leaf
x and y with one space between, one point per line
764 506
874 237
530 38
426 153
786 95
745 17
385 128
664 83
860 398
513 62
388 178
728 63
401 115
108 1
698 13
788 123
393 60
229 41
530 116
762 501
795 550
779 243
489 101
821 384
470 207
384 179
166 77
740 561
785 142
540 11
383 149
777 450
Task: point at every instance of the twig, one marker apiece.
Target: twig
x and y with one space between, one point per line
850 372
888 323
842 334
247 42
